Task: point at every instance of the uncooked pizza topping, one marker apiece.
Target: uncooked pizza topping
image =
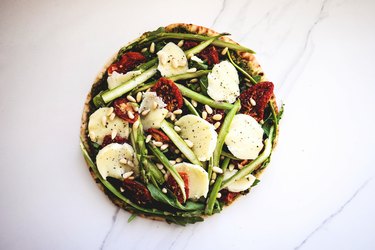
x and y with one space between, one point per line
175 130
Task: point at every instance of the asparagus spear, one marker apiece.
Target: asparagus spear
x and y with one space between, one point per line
164 160
202 98
249 168
195 37
183 76
179 142
216 188
224 131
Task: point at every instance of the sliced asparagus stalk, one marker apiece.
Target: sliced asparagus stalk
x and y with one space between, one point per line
129 85
164 160
190 107
179 142
224 131
202 98
195 37
216 188
249 168
175 78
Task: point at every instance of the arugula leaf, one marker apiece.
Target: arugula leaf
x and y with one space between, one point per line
132 217
182 221
158 195
203 83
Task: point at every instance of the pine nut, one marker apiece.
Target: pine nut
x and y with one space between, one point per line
177 112
158 143
172 162
176 151
190 56
225 50
163 171
139 96
123 161
166 176
104 120
173 117
113 134
112 116
212 182
204 115
152 47
174 63
144 50
163 58
179 159
130 98
217 117
110 111
92 135
191 70
148 138
252 101
213 176
231 167
177 128
239 166
194 80
217 124
164 190
160 166
131 178
127 174
136 124
164 147
155 105
208 109
194 103
217 170
218 195
261 121
189 143
130 115
180 43
145 112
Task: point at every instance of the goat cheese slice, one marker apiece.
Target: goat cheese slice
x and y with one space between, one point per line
117 79
201 133
245 137
172 60
108 161
223 82
156 115
197 178
97 130
241 184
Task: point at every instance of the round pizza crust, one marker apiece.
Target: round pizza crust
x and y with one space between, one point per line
252 63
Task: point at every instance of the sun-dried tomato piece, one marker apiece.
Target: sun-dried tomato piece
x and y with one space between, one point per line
227 196
210 54
261 93
173 186
137 192
158 135
167 90
122 109
108 140
128 61
210 117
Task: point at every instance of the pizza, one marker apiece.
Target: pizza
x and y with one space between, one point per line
179 123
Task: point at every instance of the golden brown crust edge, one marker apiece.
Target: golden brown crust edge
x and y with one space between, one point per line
252 63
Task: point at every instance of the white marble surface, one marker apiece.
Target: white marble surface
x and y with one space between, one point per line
318 192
